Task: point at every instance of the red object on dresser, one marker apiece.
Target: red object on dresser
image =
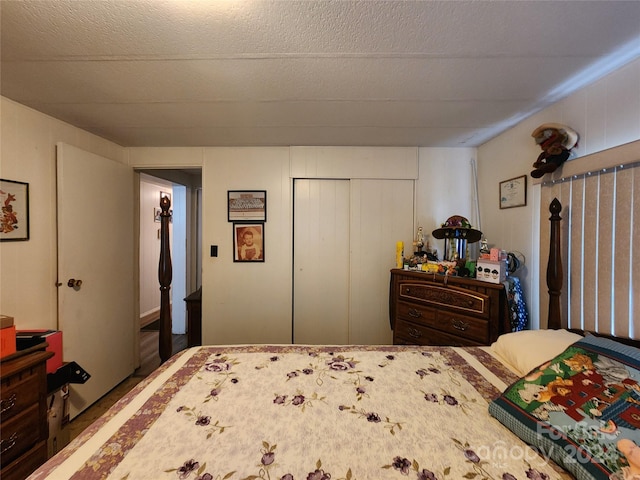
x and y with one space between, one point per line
27 338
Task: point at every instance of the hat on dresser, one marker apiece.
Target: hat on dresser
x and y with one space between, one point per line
457 226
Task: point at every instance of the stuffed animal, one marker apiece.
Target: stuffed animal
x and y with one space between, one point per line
556 142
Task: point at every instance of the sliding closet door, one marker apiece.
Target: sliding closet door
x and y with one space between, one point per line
321 262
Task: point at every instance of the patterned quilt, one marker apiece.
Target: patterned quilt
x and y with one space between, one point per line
304 412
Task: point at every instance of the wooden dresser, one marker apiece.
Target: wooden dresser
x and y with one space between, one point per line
428 309
23 413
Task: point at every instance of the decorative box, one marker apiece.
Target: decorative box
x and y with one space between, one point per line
491 271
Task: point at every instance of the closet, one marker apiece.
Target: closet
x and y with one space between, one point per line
344 238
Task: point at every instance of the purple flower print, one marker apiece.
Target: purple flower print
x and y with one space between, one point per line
534 474
434 370
426 475
361 390
449 400
390 357
307 371
318 475
268 458
373 417
180 408
215 392
280 399
189 466
274 359
288 476
431 397
206 476
368 379
508 476
234 380
339 363
298 400
422 372
402 464
203 420
292 374
217 366
471 456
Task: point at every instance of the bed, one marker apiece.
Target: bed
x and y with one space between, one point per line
376 412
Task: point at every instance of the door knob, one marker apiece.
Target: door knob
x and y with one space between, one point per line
72 283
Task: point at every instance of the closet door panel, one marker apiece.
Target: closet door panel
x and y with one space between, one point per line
381 215
321 264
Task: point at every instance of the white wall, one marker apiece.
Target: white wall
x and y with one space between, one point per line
445 187
27 154
605 114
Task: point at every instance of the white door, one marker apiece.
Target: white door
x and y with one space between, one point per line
95 246
321 262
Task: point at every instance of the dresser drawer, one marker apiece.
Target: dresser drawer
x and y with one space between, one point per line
475 329
464 301
409 333
19 392
20 433
23 466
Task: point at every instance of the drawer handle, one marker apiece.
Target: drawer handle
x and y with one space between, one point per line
415 313
459 324
414 332
11 442
8 403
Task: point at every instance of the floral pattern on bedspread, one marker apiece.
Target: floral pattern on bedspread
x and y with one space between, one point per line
320 413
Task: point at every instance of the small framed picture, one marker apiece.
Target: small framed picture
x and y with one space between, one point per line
513 192
247 205
248 242
156 214
14 218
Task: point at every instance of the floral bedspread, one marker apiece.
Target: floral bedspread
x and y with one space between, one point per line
304 412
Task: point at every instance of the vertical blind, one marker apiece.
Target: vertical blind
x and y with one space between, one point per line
599 231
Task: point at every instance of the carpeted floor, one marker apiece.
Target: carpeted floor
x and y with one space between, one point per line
150 360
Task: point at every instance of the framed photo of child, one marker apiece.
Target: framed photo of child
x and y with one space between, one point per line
248 242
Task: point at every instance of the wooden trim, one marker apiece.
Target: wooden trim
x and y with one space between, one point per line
149 317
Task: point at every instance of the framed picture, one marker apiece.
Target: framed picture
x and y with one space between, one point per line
14 219
513 192
156 214
247 205
248 242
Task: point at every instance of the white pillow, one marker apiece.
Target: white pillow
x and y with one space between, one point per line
527 349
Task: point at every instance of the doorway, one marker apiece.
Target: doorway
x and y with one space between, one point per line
183 187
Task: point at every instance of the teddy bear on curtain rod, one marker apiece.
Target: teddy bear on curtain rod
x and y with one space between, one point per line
556 142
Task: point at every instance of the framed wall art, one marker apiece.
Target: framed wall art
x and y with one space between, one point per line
248 242
247 205
14 219
513 192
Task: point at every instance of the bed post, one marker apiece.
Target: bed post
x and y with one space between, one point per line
554 267
165 274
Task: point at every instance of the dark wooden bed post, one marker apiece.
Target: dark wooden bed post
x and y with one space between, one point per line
554 267
165 274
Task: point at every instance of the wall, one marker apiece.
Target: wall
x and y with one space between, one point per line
445 187
27 153
255 299
605 114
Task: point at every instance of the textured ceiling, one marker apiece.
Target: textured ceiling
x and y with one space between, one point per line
351 72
